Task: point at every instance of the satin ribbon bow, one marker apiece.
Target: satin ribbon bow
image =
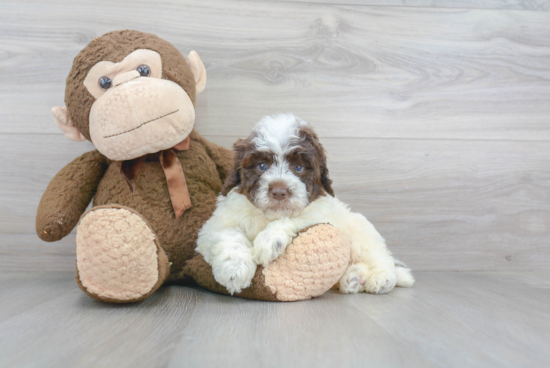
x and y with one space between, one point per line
177 186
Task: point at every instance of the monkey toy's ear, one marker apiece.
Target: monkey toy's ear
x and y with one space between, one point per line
63 121
198 70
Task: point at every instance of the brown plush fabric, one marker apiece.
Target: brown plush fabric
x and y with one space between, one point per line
68 195
115 46
330 259
151 198
223 160
205 166
201 272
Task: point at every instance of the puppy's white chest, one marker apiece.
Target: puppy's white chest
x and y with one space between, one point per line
255 225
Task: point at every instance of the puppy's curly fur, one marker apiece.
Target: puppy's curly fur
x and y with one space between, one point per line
279 185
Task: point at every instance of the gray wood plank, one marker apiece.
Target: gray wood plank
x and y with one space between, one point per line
470 319
356 71
324 332
451 205
73 330
26 252
433 78
494 319
536 5
23 291
440 204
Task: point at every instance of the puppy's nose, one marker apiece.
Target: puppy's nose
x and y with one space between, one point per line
279 193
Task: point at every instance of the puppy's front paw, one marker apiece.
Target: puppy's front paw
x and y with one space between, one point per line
380 281
234 273
268 245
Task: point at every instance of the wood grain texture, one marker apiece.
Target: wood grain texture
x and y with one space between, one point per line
370 71
445 320
436 119
70 331
440 204
536 5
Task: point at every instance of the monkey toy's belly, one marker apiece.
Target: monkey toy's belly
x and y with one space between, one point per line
151 199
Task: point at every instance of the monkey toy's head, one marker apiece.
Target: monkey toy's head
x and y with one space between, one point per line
131 93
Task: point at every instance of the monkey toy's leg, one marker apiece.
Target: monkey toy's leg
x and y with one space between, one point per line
118 258
310 266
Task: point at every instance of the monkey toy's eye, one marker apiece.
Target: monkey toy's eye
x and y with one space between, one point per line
298 168
144 70
262 167
105 83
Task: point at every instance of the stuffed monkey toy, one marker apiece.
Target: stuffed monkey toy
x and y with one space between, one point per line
154 180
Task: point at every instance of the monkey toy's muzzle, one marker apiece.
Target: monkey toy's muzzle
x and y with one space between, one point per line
140 115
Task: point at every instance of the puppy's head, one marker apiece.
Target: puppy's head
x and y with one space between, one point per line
281 167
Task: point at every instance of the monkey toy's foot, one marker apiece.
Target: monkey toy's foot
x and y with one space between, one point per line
310 266
118 258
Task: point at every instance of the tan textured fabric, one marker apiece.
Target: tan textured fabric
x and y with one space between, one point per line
113 70
116 254
198 69
144 115
125 77
115 46
63 122
311 265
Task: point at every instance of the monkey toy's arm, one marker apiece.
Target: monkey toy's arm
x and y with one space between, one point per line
68 195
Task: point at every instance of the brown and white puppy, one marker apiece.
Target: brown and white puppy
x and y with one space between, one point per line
280 184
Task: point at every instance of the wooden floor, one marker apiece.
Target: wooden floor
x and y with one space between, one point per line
449 319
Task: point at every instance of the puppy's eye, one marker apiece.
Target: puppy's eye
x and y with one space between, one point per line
144 70
262 167
298 169
105 83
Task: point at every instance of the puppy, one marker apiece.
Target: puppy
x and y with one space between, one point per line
280 184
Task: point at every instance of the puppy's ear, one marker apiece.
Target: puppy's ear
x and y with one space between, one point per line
325 180
308 134
234 177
